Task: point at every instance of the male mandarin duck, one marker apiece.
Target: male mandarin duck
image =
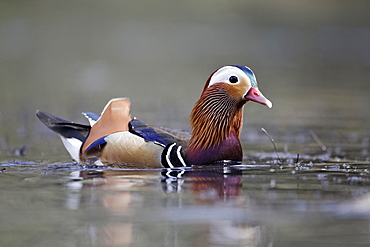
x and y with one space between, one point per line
115 139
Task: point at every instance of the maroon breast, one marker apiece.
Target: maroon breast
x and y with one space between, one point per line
229 149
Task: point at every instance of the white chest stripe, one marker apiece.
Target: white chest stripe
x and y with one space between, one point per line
178 154
168 155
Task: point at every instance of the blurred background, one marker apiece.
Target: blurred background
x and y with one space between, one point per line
311 59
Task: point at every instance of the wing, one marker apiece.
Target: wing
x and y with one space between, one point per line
161 136
173 141
63 127
114 118
72 134
92 117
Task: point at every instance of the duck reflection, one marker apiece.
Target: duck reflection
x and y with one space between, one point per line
209 185
217 185
194 197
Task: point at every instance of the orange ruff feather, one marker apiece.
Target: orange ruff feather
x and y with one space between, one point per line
213 117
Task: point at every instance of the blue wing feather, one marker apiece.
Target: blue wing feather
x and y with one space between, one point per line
92 117
96 143
151 133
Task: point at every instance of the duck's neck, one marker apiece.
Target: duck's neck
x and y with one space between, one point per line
216 120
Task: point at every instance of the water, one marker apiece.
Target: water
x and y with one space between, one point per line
311 60
305 204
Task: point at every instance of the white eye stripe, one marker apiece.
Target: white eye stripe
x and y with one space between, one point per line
224 74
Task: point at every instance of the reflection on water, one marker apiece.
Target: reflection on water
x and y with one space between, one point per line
256 204
211 197
231 205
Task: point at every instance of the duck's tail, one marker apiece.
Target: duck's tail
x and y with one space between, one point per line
72 134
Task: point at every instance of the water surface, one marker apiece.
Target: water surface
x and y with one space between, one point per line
259 204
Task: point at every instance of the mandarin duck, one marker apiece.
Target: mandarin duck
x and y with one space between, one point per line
116 139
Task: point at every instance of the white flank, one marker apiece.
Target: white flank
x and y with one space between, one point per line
73 147
127 148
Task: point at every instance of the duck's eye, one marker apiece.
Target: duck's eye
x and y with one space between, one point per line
233 79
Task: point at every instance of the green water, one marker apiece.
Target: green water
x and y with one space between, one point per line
311 60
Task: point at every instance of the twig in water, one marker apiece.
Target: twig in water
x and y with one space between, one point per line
317 140
297 160
273 143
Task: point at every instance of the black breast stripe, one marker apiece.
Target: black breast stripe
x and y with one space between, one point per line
172 156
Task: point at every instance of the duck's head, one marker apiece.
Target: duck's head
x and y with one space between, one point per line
238 82
216 118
